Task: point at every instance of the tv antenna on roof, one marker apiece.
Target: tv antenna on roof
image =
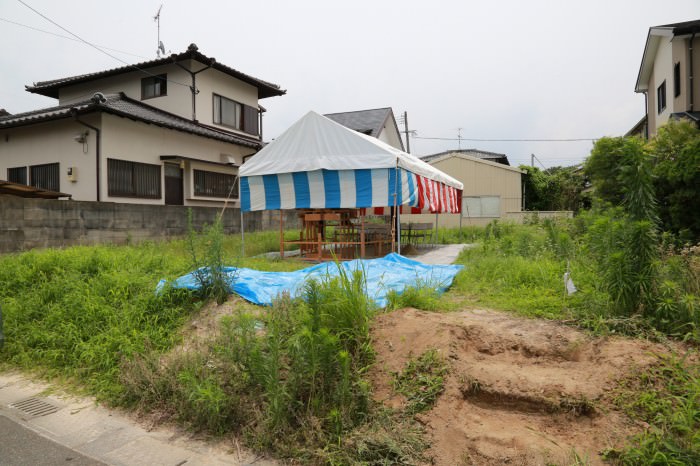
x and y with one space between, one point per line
161 47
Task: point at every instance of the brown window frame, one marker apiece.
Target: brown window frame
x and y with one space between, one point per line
214 184
661 97
246 117
159 83
137 182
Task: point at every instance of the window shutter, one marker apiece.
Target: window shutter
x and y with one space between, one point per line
250 120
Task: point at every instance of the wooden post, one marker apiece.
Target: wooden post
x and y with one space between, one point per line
362 235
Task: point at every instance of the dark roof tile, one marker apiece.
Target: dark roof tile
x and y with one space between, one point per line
121 105
368 122
50 88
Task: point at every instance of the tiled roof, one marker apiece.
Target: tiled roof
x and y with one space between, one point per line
479 154
369 122
265 89
686 27
121 105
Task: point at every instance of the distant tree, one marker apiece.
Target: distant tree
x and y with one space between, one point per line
606 164
537 188
556 188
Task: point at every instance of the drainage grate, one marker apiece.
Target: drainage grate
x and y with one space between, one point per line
34 407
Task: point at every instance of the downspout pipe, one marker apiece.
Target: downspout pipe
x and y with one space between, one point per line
193 87
98 143
691 107
646 114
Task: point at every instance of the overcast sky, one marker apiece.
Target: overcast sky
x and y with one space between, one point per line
509 69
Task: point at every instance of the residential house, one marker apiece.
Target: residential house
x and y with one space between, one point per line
379 123
492 190
668 75
167 131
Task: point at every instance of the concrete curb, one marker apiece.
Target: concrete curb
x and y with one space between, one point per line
110 436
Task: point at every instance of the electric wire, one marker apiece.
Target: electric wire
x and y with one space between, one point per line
98 48
69 38
508 140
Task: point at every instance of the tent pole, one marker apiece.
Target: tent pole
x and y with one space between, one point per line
362 233
240 207
395 213
398 228
242 235
435 241
460 227
281 235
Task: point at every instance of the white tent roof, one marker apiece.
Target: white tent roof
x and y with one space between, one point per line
316 142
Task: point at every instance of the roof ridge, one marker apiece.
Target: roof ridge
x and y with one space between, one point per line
265 88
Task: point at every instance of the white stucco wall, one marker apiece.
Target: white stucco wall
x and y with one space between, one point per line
390 135
53 142
663 70
125 139
212 82
178 99
122 139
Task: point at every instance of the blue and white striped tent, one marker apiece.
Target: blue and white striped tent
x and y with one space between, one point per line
320 164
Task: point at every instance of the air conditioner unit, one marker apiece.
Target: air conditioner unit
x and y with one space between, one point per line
73 174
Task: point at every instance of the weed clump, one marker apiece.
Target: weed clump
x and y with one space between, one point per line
422 381
289 380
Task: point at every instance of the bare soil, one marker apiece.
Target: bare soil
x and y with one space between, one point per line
519 391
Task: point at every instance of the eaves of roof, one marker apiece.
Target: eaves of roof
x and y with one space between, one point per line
651 46
51 88
123 106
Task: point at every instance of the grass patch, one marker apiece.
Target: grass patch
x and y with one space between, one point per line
667 397
76 313
422 381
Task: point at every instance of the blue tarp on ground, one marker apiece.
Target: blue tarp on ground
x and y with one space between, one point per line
391 272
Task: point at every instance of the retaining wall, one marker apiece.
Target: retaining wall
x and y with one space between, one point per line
41 223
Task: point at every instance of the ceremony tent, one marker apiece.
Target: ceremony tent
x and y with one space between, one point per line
319 164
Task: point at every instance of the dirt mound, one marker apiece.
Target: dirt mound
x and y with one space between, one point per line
519 391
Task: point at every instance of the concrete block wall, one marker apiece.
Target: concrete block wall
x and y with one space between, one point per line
41 223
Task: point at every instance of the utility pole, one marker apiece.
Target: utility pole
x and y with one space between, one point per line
405 130
459 138
532 160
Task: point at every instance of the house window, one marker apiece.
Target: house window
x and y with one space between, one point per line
154 86
661 97
46 176
481 206
17 175
133 179
213 184
235 115
677 79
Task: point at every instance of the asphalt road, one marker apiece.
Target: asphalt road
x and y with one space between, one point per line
20 446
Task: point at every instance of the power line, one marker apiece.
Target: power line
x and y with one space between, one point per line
98 48
508 140
66 37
